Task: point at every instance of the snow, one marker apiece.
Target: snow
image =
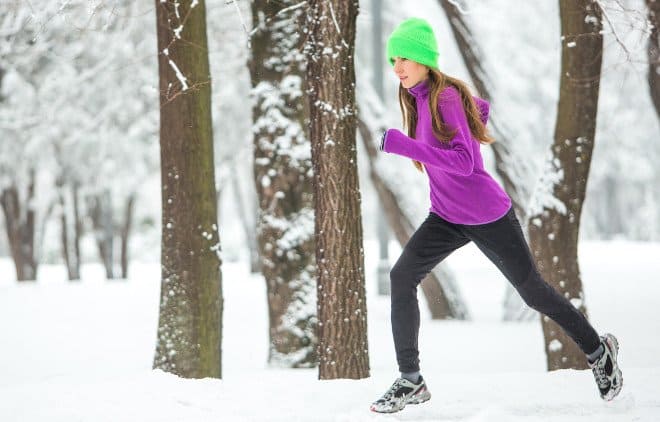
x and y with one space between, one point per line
179 75
555 345
543 196
296 229
83 351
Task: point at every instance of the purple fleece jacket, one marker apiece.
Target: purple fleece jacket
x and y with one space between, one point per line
462 192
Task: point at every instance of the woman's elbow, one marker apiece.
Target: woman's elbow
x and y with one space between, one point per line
463 160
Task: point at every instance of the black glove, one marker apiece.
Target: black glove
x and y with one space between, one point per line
382 141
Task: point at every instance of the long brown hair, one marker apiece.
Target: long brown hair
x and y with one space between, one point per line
437 82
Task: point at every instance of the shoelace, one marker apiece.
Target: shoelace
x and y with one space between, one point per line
388 395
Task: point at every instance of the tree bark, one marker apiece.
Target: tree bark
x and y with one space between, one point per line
555 216
189 324
342 313
20 226
282 175
653 51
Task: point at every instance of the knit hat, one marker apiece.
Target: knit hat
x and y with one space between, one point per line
413 39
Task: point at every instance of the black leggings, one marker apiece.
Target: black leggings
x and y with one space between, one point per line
502 241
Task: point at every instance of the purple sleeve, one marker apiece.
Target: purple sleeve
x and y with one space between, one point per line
458 158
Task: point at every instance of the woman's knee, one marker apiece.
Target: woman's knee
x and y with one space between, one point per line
397 275
402 279
397 271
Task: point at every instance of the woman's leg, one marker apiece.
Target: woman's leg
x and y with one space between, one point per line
433 241
502 241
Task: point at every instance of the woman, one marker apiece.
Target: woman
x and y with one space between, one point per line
446 125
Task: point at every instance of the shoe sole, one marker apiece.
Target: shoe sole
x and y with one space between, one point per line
613 343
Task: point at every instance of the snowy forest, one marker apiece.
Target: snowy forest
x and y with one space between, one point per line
197 221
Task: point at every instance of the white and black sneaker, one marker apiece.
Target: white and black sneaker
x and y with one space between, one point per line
606 369
401 393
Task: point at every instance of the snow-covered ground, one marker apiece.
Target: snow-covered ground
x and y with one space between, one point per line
82 352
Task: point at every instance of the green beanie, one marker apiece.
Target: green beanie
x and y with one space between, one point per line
413 39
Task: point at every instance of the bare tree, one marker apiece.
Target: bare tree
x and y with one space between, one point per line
107 227
189 326
101 214
71 226
557 205
125 232
342 312
282 175
18 180
20 226
654 52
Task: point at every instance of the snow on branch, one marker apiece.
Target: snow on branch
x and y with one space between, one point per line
544 191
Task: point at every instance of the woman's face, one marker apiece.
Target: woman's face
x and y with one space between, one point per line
409 72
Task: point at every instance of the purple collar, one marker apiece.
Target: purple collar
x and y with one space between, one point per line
421 90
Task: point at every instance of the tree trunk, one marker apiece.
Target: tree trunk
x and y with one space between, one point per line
342 312
100 212
40 233
20 226
557 206
70 229
653 50
78 226
125 233
443 298
282 175
189 324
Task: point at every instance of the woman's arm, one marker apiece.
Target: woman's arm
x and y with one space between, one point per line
458 158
